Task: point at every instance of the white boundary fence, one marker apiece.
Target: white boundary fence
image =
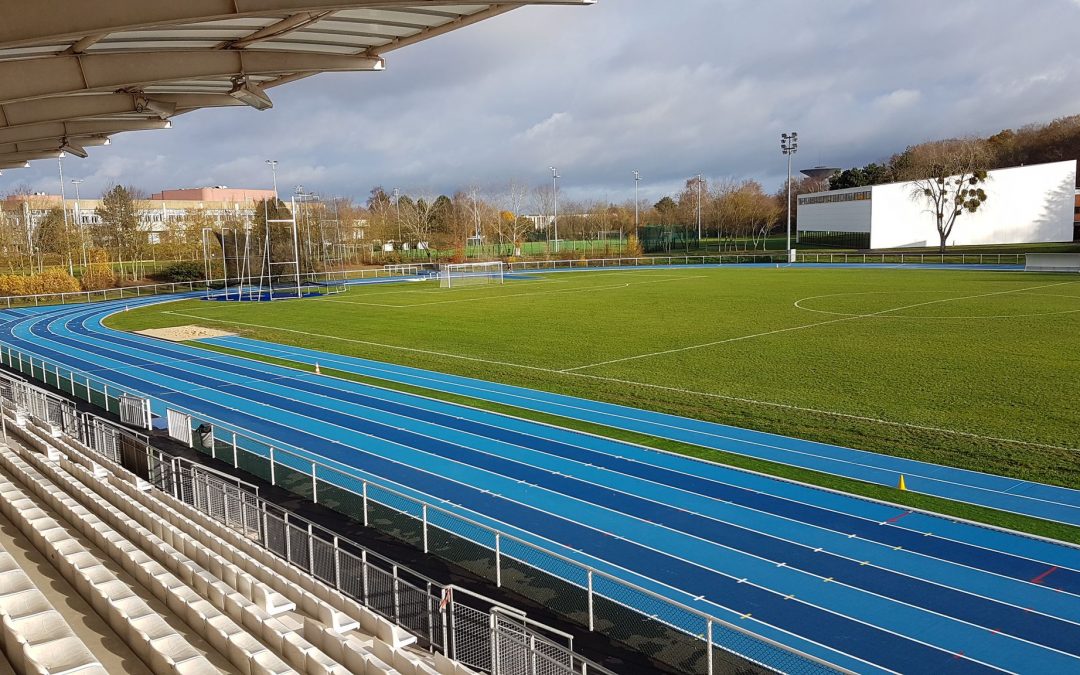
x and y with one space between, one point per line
477 631
695 642
168 288
896 258
388 271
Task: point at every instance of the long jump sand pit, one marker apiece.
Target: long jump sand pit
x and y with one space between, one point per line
184 333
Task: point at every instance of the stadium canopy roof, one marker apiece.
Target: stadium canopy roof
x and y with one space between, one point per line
74 73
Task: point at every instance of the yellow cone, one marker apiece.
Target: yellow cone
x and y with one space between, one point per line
319 372
901 485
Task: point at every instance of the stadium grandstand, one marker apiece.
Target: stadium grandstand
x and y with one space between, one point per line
118 557
74 74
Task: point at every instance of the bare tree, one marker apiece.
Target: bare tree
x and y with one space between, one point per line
417 216
543 200
513 225
948 178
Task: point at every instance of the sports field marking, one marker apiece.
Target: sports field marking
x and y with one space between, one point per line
894 601
759 557
362 342
798 304
802 327
209 361
513 295
648 385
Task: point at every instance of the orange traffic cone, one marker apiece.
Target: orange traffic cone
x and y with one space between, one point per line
319 372
901 485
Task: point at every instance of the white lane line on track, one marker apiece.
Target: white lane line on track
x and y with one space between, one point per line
667 528
802 327
287 377
606 562
257 365
648 385
908 472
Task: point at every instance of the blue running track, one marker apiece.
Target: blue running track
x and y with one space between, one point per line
861 584
1049 502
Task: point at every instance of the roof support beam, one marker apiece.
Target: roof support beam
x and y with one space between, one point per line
99 105
85 43
28 79
19 161
427 33
44 21
47 130
76 143
276 30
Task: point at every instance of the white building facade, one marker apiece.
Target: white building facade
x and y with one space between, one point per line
1026 204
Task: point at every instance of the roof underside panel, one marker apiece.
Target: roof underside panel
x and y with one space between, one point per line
72 74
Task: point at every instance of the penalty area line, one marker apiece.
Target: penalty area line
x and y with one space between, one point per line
848 317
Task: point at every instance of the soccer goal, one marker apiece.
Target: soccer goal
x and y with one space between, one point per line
471 274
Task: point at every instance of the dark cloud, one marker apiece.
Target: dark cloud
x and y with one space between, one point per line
670 88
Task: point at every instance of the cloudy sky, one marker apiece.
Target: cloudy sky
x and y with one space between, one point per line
669 87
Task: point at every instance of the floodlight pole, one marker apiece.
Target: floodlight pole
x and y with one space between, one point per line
207 272
78 222
637 202
397 207
789 145
63 208
555 203
699 209
273 169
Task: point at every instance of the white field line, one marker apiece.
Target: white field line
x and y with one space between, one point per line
648 385
362 342
513 295
207 362
559 546
709 544
809 325
799 305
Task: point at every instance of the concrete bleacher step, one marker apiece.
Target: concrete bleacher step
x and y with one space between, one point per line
35 635
230 589
155 642
242 649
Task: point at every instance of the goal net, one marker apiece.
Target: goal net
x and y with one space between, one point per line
471 274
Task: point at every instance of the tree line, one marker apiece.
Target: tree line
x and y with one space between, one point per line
1055 141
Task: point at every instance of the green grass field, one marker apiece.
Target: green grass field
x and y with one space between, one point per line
973 369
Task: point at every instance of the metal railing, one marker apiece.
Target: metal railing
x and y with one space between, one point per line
388 271
166 288
650 261
695 642
465 626
895 258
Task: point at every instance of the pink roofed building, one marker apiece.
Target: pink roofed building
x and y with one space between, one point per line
218 193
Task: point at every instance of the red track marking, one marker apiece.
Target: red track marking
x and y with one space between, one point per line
1039 579
896 518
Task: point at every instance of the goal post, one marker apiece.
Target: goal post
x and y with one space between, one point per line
471 274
